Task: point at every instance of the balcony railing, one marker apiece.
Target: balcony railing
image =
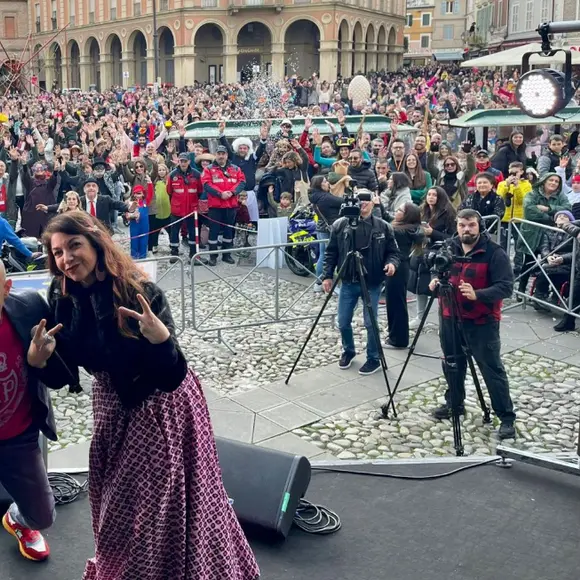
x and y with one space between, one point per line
164 5
91 17
209 3
71 19
54 21
38 25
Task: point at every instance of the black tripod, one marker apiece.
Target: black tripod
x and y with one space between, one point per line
353 257
460 348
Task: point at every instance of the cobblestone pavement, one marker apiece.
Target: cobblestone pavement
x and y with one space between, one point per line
546 396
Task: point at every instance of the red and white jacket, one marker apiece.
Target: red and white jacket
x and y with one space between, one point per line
217 180
183 190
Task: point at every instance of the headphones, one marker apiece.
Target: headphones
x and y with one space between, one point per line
480 220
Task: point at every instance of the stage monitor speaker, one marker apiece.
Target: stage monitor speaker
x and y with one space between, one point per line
265 485
43 443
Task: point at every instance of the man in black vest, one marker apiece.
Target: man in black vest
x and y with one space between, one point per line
25 411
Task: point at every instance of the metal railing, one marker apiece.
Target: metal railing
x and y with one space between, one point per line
492 226
42 279
536 268
280 314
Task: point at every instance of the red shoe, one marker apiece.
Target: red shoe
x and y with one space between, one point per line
32 544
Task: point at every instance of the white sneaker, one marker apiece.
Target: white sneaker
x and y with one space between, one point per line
317 288
414 323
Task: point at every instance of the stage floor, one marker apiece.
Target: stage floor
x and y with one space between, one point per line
482 524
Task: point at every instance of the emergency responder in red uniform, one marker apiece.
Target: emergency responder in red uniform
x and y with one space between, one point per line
183 188
222 183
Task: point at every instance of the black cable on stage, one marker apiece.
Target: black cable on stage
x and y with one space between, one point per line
316 519
321 468
66 488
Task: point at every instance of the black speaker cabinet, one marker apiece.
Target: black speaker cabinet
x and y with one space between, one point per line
265 485
43 443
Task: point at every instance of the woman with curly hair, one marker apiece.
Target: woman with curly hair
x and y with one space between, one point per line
159 508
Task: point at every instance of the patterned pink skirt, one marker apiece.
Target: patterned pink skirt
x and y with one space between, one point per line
159 508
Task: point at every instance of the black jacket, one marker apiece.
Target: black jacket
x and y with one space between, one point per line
491 204
103 208
382 250
364 176
91 338
25 310
327 207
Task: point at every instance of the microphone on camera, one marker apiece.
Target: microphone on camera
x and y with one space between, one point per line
74 385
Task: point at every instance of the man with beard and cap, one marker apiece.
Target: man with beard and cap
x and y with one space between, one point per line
241 153
480 286
483 165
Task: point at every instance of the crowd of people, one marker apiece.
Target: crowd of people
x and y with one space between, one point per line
78 167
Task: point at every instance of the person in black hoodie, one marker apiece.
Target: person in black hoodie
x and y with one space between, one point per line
409 236
327 207
361 171
514 150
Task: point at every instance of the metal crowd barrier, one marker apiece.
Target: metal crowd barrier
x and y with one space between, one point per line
39 280
280 315
539 263
492 226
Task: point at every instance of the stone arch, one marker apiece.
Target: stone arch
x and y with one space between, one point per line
268 25
166 55
93 55
382 48
209 40
38 66
358 62
55 60
391 46
254 43
291 21
136 49
344 67
208 21
302 48
73 52
370 49
114 50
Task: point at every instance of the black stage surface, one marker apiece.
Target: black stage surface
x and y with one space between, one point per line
485 523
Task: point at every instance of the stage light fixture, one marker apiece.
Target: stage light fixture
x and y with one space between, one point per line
542 93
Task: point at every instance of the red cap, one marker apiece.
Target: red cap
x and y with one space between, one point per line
576 178
138 189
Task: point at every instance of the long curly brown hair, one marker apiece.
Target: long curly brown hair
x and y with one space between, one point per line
127 279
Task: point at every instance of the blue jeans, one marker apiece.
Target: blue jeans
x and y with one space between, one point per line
347 301
321 250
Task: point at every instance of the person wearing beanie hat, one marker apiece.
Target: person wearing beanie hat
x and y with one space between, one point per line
565 213
573 194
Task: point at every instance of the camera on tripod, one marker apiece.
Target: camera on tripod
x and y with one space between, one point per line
441 258
350 209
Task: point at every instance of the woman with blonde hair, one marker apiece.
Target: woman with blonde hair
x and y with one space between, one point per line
70 202
158 505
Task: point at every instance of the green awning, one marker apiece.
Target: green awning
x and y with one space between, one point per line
251 128
513 117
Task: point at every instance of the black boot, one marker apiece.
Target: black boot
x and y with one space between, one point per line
227 257
567 323
174 253
540 307
213 257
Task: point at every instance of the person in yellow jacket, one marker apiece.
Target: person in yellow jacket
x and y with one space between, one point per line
513 190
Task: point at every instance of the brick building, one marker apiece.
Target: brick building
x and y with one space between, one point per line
110 42
13 33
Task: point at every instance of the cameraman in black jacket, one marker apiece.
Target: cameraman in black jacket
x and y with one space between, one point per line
375 241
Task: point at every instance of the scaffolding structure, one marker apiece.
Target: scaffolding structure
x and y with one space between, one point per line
15 76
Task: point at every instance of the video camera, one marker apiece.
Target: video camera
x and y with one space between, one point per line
441 258
350 209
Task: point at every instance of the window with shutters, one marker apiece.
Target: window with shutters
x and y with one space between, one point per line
37 16
10 27
450 7
72 12
409 20
113 10
514 17
137 8
425 40
448 32
53 16
426 19
529 15
545 14
91 11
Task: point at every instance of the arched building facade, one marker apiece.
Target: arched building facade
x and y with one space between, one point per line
218 40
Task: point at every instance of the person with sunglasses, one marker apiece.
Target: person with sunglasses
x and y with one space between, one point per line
453 180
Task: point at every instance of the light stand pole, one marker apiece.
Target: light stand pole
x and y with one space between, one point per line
155 46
